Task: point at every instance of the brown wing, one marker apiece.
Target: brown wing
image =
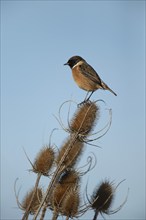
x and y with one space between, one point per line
90 73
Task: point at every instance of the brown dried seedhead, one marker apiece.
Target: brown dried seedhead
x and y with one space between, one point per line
84 119
70 152
68 180
71 202
44 160
102 197
36 200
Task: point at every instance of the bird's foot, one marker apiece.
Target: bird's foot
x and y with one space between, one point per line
84 102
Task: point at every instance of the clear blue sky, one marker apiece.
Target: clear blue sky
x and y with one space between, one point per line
37 38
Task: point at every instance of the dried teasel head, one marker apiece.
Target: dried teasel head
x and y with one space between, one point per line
68 180
44 160
102 197
37 197
70 152
69 177
71 202
84 119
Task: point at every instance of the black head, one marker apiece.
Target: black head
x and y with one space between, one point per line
73 61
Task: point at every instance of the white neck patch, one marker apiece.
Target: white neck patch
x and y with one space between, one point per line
77 64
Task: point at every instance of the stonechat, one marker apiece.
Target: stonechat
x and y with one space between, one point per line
85 76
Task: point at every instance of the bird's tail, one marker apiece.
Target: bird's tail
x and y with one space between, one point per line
104 86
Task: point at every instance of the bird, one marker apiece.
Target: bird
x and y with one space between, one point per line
86 77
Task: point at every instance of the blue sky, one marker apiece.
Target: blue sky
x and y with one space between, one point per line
37 38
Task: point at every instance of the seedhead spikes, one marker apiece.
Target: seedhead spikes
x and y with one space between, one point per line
71 202
102 197
70 177
73 146
44 160
68 180
84 119
62 195
37 196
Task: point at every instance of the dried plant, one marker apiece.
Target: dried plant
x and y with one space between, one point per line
44 161
62 196
84 119
37 196
76 149
68 181
71 203
102 198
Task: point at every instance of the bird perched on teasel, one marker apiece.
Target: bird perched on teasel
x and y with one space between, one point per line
86 77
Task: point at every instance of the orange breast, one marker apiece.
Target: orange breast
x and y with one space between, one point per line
83 81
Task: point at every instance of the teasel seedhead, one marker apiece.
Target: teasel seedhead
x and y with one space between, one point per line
37 197
69 176
102 197
44 160
71 202
84 119
67 181
70 152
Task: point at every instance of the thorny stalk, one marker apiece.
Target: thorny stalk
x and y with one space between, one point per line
43 212
26 214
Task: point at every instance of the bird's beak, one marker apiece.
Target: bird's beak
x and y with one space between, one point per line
66 64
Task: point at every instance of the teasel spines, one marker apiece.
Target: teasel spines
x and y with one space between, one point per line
85 118
67 181
70 151
71 203
44 160
37 195
102 197
69 176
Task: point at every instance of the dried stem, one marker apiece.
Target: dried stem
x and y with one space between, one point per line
25 216
55 215
43 212
95 215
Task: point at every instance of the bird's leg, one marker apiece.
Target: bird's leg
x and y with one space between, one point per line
87 99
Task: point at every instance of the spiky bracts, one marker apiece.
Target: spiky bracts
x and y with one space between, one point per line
32 197
81 125
71 203
74 148
44 160
65 195
84 119
102 197
62 196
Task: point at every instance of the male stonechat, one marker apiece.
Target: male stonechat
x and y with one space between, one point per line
85 76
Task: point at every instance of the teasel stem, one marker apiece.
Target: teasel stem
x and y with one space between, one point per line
27 212
95 215
55 214
43 212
